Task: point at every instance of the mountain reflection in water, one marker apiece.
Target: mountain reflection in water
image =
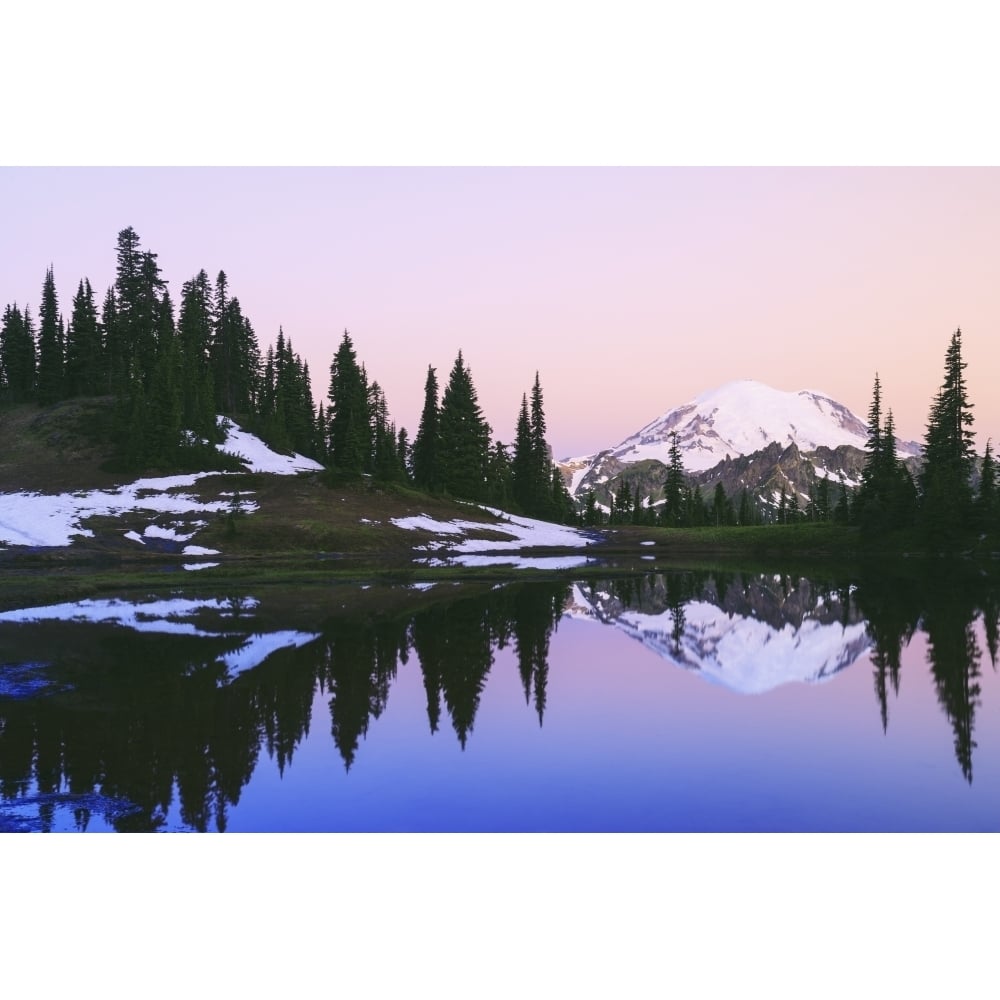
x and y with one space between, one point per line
145 715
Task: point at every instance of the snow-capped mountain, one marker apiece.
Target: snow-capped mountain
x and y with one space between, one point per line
739 418
755 639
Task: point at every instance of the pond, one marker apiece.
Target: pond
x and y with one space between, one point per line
663 700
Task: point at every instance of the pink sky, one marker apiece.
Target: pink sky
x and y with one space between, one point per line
631 290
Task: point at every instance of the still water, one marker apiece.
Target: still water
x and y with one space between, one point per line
661 701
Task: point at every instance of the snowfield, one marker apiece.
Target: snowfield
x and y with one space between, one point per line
42 520
258 457
524 532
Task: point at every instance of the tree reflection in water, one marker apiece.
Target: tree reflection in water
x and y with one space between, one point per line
136 727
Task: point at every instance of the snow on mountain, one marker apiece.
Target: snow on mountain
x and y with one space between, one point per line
742 653
740 418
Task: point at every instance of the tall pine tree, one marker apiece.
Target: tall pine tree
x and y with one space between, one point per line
426 474
50 359
464 436
350 420
946 477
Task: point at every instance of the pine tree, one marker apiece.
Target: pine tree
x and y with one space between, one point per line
500 476
719 505
425 444
842 509
522 465
194 332
50 361
541 458
745 516
945 480
987 500
111 340
138 287
823 500
673 487
403 452
464 436
17 355
350 420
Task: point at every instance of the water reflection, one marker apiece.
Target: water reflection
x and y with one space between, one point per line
945 604
141 715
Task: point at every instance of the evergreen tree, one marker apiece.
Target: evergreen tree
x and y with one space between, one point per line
842 510
563 507
138 287
745 516
945 480
673 487
350 420
522 465
823 499
464 436
194 333
425 444
50 360
111 341
987 500
541 497
403 452
17 355
500 476
164 408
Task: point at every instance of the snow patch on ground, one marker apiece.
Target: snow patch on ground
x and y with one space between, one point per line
198 550
524 532
43 520
522 562
258 457
201 565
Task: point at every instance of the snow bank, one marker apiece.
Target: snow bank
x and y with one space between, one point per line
54 519
523 532
38 519
258 457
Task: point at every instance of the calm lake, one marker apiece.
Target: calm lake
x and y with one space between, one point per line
659 701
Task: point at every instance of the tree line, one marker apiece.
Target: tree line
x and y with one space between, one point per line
170 371
943 500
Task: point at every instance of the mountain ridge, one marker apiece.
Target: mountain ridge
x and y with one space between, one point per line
734 422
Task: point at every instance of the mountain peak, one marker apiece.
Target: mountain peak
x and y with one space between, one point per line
740 418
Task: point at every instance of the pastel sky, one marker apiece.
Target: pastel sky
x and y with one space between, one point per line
631 290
